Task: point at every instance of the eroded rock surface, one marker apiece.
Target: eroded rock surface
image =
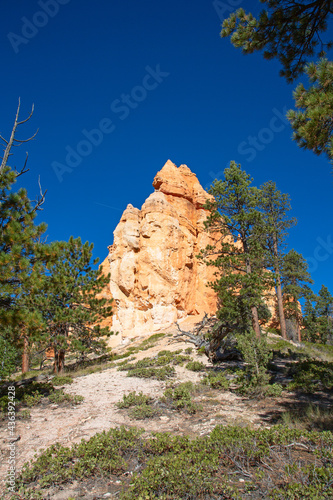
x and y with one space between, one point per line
156 278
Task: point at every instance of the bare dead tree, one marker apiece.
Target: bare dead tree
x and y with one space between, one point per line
212 335
14 142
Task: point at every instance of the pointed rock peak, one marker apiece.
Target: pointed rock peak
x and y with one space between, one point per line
130 212
156 278
180 182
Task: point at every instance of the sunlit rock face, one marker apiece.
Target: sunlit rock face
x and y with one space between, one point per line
156 278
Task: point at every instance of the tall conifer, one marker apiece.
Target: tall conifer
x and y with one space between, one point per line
239 254
275 206
295 279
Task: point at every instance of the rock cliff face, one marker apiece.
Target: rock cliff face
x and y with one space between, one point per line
156 278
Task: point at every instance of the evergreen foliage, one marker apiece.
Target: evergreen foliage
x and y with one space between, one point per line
8 358
310 320
70 304
318 317
239 256
291 31
288 30
295 279
312 122
275 207
48 293
22 254
20 250
256 355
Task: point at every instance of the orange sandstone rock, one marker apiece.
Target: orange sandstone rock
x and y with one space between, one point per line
156 278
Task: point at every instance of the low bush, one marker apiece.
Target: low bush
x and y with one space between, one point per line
180 397
24 414
256 355
32 399
139 405
312 375
100 455
133 399
195 366
232 463
59 396
158 368
216 380
158 373
273 390
62 380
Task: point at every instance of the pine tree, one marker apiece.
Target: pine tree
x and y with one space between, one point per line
8 358
318 316
310 320
289 30
295 277
20 253
275 206
324 313
313 122
70 304
241 279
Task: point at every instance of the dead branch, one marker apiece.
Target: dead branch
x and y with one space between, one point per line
195 337
218 346
13 141
41 199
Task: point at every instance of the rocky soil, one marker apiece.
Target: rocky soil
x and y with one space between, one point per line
53 423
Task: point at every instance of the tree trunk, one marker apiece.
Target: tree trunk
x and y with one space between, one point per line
298 329
59 361
282 318
25 356
255 322
254 310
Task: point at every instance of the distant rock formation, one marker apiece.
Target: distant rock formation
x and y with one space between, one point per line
156 278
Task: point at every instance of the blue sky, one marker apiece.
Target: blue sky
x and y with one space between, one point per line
121 87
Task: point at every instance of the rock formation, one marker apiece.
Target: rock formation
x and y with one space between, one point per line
156 278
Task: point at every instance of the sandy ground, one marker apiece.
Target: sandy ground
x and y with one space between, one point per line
98 411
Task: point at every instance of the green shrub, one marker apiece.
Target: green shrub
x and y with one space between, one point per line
180 397
59 396
188 350
256 355
312 375
158 367
169 353
103 454
140 412
32 399
216 380
150 342
62 380
188 474
133 399
115 357
195 366
276 463
180 359
273 390
24 414
139 405
157 373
